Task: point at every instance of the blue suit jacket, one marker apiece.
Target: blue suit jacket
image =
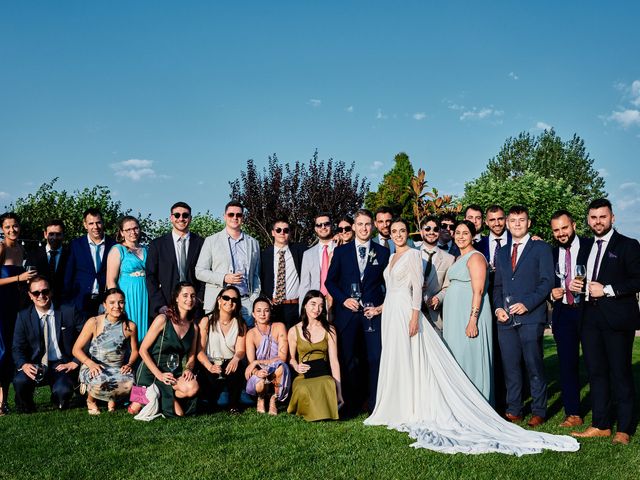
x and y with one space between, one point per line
81 273
530 283
344 271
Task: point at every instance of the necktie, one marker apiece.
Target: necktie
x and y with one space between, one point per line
495 251
45 334
514 256
281 279
595 265
427 270
362 263
324 269
567 279
52 261
98 257
182 260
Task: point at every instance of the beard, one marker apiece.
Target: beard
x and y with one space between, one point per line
569 241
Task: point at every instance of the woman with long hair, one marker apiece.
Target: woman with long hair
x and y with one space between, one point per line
317 392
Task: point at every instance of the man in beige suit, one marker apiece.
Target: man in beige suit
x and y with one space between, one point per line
230 257
435 263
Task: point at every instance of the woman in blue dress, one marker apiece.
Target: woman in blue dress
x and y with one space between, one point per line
125 269
12 274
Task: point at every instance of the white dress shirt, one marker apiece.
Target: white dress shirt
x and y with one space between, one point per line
492 245
93 246
562 254
292 282
521 244
608 289
54 353
176 245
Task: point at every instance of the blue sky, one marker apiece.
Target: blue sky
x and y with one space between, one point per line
165 101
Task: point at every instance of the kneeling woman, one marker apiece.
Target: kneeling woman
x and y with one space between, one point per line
221 350
317 394
172 338
104 375
268 374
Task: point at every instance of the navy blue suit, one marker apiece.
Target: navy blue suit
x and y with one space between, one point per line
29 347
565 323
81 273
482 246
530 284
350 326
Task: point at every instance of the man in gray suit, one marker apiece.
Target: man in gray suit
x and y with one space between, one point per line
230 257
435 263
312 276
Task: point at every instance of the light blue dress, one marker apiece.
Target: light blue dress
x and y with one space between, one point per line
132 282
474 355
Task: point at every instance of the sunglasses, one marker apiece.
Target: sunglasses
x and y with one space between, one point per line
235 215
323 225
184 215
448 226
428 229
284 230
44 292
227 298
344 229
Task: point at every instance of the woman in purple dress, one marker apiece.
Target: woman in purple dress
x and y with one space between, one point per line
268 374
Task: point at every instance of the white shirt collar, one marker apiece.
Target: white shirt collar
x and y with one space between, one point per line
177 237
606 238
91 242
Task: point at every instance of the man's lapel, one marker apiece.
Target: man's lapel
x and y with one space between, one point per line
610 249
527 248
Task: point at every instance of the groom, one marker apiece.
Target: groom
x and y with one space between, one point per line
360 262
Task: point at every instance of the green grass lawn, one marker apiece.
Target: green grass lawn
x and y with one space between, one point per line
73 445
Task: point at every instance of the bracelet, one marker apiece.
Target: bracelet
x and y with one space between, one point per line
475 312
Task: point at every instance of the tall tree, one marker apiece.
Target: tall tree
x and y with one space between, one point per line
395 190
299 192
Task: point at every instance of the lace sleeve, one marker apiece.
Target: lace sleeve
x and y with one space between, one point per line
416 278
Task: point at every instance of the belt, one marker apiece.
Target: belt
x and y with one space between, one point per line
293 301
139 273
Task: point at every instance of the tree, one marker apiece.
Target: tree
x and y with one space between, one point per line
299 192
204 224
548 156
395 190
430 202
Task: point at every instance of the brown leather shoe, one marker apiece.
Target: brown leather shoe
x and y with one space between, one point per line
513 418
535 421
592 432
620 438
572 421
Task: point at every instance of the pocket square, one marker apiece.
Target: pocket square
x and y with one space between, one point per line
375 262
63 328
612 255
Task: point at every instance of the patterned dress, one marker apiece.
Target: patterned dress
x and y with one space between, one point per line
268 348
107 350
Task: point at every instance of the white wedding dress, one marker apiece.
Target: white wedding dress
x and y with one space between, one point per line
424 392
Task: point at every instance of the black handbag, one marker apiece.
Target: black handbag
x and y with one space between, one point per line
317 367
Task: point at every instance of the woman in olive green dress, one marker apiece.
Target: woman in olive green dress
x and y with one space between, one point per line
314 352
172 333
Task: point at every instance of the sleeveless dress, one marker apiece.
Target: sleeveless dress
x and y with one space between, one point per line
107 350
474 355
313 398
132 282
171 344
10 296
268 348
423 391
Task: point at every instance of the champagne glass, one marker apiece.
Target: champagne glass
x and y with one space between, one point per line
581 274
366 306
40 370
219 361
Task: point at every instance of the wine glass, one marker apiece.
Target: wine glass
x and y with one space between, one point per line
560 272
355 291
219 361
509 301
266 367
367 305
581 274
172 362
40 371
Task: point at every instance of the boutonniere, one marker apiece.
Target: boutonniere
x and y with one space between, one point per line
372 257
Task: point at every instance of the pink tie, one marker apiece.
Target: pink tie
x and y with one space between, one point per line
324 269
567 279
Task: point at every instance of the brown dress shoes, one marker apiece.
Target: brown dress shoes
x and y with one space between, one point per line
572 421
592 432
513 418
620 438
535 421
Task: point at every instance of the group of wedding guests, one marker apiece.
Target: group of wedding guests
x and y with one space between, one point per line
403 329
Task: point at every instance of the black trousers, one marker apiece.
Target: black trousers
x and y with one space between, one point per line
211 386
566 332
61 384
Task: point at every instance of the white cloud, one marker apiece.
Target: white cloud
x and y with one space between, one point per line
455 106
628 185
380 115
625 118
603 172
514 76
134 169
419 116
4 195
481 114
314 102
635 93
349 109
543 126
376 165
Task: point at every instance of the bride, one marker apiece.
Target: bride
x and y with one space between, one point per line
421 388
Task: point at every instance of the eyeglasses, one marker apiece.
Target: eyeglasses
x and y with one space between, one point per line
344 229
323 225
227 298
428 229
448 226
184 215
44 292
235 214
284 230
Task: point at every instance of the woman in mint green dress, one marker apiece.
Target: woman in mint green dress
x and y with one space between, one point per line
125 269
467 316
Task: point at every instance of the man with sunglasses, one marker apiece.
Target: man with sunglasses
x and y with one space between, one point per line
230 257
171 259
315 261
435 263
447 225
280 267
42 345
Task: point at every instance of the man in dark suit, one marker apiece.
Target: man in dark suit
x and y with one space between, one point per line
610 318
523 281
475 214
383 218
570 251
448 224
85 275
280 266
42 346
50 260
172 258
361 263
